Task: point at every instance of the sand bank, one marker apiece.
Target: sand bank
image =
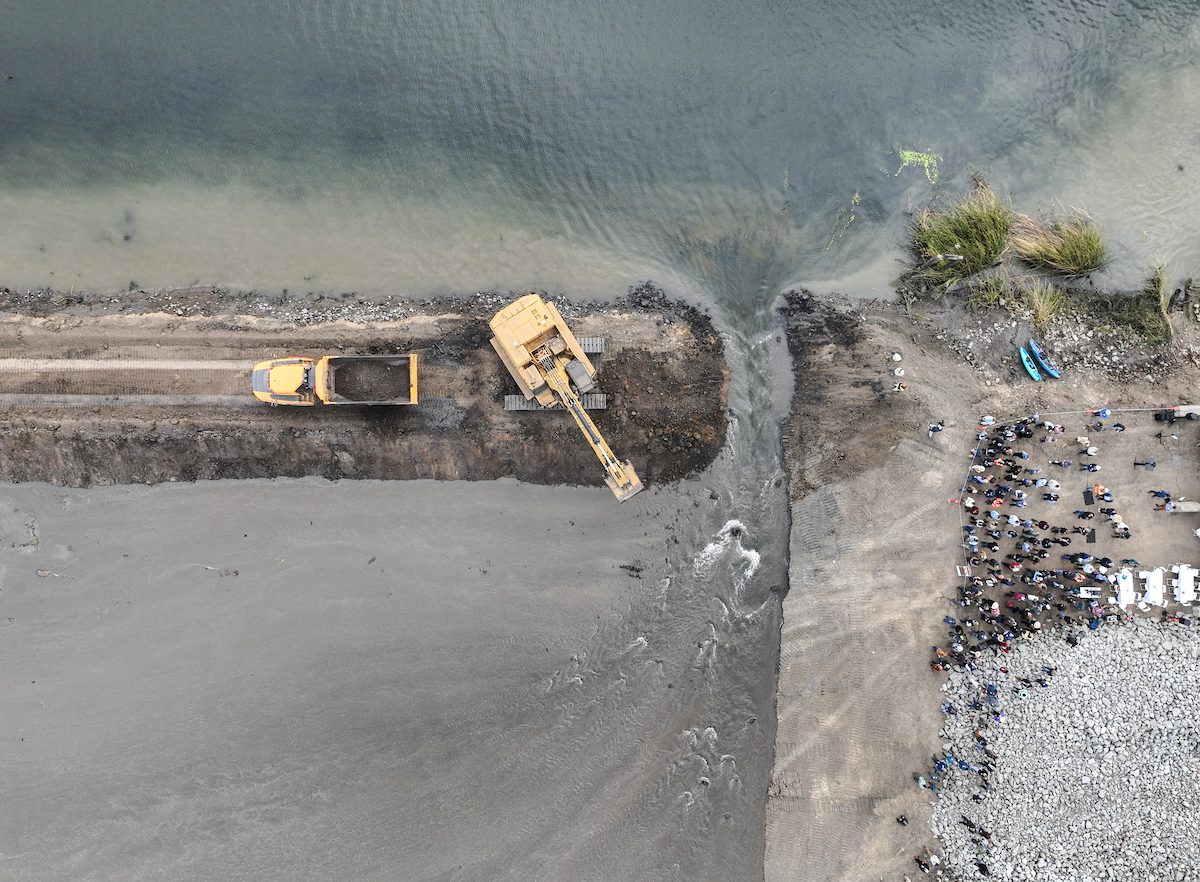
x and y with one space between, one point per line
873 550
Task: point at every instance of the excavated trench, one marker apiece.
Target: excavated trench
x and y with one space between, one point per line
146 397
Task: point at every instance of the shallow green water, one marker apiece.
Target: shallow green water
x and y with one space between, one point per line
417 147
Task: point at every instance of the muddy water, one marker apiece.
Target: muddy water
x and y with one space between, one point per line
520 717
363 680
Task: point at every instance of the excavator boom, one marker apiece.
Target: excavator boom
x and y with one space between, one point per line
620 477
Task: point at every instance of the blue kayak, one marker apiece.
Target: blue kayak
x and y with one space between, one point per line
1030 367
1043 360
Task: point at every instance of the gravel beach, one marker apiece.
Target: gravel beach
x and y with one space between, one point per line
1096 775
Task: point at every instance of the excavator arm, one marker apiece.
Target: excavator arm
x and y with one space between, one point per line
620 477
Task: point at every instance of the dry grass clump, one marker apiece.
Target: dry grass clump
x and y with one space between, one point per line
957 242
1072 247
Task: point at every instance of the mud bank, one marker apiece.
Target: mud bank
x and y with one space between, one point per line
663 371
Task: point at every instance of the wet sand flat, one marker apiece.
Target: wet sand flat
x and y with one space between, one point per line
305 679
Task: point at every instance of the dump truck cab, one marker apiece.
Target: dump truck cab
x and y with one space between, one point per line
284 381
336 379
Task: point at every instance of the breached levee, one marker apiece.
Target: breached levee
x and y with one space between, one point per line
140 390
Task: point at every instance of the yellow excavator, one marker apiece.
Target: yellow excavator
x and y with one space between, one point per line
550 367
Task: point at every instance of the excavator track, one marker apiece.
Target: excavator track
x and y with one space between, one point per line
591 401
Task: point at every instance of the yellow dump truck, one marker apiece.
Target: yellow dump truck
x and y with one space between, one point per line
337 379
549 366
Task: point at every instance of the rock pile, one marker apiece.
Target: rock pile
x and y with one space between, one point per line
985 343
308 308
1093 776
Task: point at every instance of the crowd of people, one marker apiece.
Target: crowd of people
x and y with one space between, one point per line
1023 571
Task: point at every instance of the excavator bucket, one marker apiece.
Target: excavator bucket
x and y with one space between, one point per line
632 485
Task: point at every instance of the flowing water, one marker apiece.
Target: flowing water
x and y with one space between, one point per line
726 150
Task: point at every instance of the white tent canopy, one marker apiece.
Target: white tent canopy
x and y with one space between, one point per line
1185 584
1154 586
1183 505
1126 595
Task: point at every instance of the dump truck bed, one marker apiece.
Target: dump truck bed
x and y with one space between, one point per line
372 379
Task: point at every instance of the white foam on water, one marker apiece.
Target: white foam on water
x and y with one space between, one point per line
706 560
706 654
746 562
639 643
752 559
664 585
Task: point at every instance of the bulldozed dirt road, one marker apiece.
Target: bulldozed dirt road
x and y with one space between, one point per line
92 397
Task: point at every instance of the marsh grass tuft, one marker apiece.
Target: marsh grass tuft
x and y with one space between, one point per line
1155 292
1144 312
1156 287
1071 247
987 293
956 242
1045 302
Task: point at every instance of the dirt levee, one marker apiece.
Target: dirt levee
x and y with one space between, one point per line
146 397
